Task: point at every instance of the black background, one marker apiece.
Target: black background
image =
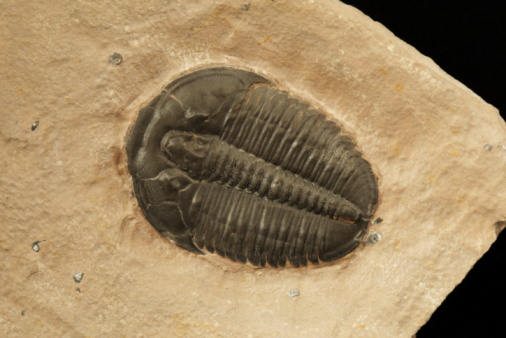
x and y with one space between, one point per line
467 39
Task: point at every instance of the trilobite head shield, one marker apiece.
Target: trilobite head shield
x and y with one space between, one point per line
224 162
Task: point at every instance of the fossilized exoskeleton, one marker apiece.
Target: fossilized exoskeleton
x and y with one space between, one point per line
224 162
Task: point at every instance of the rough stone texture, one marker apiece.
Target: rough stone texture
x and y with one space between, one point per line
66 182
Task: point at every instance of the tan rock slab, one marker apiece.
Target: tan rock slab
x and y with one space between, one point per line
66 184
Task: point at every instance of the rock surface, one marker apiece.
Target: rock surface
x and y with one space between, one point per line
65 185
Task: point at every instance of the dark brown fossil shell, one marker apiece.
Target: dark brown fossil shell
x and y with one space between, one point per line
223 161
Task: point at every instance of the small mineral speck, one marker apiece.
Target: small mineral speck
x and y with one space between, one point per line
78 276
78 289
23 312
35 125
373 238
35 246
246 6
487 147
377 220
115 59
293 293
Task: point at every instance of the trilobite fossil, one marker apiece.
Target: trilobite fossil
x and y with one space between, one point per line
222 161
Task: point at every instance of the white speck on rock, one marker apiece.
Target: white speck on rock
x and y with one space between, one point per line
293 293
373 238
78 277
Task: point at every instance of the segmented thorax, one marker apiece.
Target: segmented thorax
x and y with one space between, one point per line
224 162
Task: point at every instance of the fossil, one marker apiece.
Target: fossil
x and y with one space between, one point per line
223 161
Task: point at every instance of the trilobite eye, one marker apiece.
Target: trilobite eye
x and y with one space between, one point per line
229 164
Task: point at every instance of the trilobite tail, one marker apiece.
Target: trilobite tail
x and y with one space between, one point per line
330 251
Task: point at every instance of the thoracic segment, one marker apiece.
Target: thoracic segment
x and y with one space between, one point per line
287 133
206 158
246 227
